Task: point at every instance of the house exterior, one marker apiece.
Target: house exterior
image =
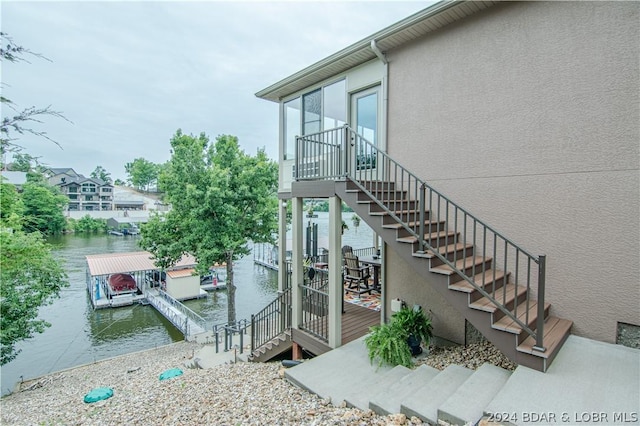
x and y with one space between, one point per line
506 134
85 194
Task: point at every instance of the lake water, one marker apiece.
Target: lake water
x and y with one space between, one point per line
79 334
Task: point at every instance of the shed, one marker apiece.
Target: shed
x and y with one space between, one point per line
182 284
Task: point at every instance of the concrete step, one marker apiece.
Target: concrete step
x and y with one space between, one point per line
388 401
425 401
472 397
587 381
379 382
326 375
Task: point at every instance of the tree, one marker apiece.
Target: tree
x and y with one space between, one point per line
100 173
221 199
18 122
43 206
142 173
119 182
30 277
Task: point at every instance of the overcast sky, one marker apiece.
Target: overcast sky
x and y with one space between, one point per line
128 74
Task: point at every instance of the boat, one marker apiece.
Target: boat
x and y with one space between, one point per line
216 280
114 232
122 283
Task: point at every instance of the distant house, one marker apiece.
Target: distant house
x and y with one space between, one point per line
85 194
474 138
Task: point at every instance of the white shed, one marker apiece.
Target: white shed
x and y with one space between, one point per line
182 284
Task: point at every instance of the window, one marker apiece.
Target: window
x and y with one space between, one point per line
312 106
291 127
335 107
321 109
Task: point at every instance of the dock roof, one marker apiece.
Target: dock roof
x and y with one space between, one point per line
114 263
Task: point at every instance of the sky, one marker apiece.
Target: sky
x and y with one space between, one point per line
127 75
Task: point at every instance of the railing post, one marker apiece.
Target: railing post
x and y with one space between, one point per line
540 320
345 149
421 207
297 160
253 333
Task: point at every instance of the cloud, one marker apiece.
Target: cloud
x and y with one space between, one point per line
128 74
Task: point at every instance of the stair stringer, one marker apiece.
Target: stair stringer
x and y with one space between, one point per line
274 347
506 342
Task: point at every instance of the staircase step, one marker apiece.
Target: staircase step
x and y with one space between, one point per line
462 264
556 331
467 405
507 324
378 382
424 401
445 250
442 235
387 401
465 287
413 224
505 295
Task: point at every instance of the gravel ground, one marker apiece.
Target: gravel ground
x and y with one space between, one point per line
231 394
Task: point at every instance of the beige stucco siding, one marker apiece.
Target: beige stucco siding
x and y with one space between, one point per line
411 288
528 115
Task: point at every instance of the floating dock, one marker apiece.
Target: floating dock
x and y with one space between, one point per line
150 288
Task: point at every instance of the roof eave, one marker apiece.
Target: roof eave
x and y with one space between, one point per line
275 91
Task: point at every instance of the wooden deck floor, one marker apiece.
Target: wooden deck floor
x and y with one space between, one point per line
356 321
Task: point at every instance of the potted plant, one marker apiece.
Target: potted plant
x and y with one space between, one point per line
388 344
391 342
417 326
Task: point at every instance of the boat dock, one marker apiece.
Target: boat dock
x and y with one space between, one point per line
149 288
183 318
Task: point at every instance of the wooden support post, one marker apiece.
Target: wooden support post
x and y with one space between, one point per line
296 352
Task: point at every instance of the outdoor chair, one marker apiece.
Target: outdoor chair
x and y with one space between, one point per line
356 275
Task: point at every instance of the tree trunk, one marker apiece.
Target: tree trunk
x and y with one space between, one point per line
231 291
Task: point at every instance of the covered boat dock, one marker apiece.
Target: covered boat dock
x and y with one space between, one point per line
148 278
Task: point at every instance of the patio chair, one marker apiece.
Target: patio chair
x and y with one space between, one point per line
356 275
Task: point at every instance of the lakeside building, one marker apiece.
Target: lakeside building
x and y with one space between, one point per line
85 194
463 119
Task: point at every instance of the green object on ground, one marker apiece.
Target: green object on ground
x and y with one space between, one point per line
98 394
170 374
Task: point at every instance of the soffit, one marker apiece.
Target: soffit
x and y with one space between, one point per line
410 28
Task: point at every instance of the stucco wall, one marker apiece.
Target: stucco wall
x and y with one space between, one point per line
405 283
527 114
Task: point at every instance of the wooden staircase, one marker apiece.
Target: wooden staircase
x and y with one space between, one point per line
378 202
273 348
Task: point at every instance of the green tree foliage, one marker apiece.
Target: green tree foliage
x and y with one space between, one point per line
30 277
100 173
87 225
119 182
11 207
221 199
142 173
43 206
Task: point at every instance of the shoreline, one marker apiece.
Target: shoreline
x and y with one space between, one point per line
238 394
18 385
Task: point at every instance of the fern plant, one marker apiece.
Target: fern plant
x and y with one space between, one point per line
388 344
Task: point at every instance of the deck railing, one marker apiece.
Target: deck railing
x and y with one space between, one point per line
271 321
432 218
224 333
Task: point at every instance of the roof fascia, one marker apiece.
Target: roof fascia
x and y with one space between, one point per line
362 45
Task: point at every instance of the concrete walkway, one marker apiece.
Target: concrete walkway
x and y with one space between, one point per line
589 382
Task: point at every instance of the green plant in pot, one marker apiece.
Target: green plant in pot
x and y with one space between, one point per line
417 326
390 343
